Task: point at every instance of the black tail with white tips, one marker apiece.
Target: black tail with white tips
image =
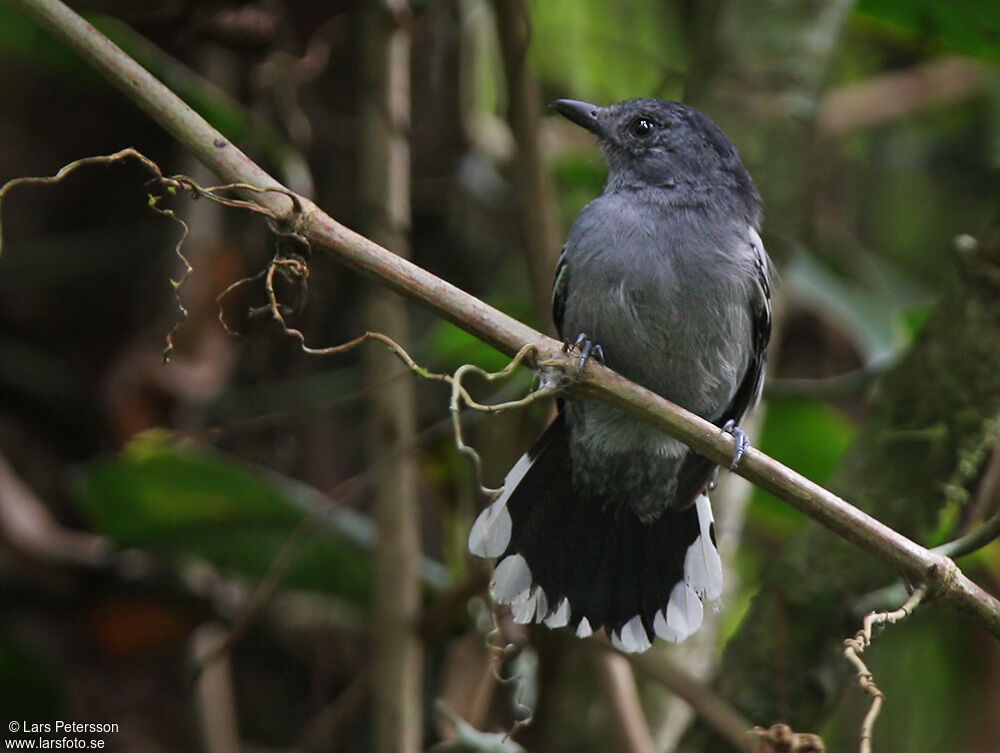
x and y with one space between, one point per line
568 560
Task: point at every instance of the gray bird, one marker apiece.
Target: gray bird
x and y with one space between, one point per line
605 522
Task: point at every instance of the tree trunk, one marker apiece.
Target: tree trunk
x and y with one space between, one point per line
536 207
384 171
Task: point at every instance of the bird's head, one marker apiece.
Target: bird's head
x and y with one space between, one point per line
668 145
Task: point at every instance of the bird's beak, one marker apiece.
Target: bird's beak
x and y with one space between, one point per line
582 113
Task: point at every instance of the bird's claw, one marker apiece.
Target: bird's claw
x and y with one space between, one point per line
740 438
587 348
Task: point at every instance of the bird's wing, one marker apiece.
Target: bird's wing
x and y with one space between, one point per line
560 285
696 469
748 393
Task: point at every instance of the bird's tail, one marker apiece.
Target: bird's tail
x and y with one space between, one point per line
566 559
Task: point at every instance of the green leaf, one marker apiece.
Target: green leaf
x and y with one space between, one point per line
445 347
21 40
451 346
189 501
969 26
808 435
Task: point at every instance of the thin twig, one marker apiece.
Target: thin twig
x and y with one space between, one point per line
469 739
826 388
627 718
261 595
973 459
214 691
855 647
502 647
713 709
170 185
328 724
154 204
460 395
891 96
972 542
28 528
384 167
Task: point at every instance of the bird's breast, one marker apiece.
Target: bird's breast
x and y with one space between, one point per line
670 309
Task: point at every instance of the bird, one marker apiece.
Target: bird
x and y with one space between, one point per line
605 522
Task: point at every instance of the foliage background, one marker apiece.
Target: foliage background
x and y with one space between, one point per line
142 504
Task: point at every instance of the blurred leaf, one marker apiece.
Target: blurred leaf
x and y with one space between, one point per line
448 347
607 52
181 500
21 38
808 435
870 314
580 178
445 347
916 317
970 26
484 63
993 124
927 720
737 605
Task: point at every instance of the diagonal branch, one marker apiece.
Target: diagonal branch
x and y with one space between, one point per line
940 574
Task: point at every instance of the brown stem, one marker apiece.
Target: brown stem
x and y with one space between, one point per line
712 708
533 189
628 720
384 167
214 691
896 95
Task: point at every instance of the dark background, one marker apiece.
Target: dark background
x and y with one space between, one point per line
147 509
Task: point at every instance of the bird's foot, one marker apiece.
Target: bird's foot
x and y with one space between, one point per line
587 348
741 439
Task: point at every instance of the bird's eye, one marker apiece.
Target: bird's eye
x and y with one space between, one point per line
641 128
